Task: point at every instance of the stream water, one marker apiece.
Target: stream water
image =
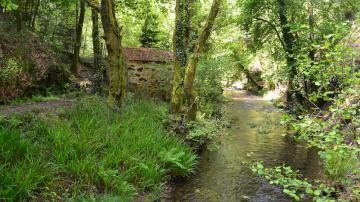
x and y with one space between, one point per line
255 129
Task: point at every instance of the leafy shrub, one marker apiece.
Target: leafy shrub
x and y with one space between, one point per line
202 131
10 72
339 164
335 133
209 87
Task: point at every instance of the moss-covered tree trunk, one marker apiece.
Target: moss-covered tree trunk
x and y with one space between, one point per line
190 93
96 48
78 34
116 57
180 56
289 41
96 39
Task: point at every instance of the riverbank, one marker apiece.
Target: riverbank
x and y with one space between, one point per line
90 152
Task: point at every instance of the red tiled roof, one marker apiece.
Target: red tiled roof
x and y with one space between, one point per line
148 54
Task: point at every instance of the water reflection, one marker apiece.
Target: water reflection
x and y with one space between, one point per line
255 129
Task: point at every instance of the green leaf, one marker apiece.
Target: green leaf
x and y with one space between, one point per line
309 190
317 192
292 194
259 166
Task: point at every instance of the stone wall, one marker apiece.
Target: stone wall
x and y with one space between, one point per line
150 79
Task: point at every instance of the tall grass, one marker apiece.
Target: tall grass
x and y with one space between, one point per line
90 150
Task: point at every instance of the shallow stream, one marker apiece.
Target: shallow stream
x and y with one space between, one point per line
255 128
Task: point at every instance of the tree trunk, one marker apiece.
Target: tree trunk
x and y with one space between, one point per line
180 56
96 38
288 40
19 16
116 57
77 45
36 10
96 48
309 85
26 12
188 15
190 94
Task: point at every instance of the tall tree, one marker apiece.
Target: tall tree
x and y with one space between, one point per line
183 93
96 38
78 34
116 57
35 11
26 11
288 42
19 15
180 55
294 36
100 76
190 93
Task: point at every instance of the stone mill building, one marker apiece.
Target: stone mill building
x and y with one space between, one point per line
149 71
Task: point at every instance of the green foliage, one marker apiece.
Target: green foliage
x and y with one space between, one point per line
335 134
8 5
10 72
208 83
157 14
334 131
324 78
56 29
293 183
88 150
340 163
202 131
179 162
323 73
317 40
150 31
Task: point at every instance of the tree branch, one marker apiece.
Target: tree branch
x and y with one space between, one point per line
93 4
275 29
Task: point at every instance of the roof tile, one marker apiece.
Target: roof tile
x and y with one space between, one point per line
147 54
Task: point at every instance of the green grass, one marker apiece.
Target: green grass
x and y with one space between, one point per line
34 98
89 151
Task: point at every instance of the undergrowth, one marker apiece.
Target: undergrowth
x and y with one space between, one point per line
196 133
90 152
335 134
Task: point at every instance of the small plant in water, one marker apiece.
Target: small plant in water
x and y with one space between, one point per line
293 183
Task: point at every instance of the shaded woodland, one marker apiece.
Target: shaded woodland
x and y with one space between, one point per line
112 99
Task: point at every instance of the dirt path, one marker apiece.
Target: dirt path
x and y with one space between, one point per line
49 106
